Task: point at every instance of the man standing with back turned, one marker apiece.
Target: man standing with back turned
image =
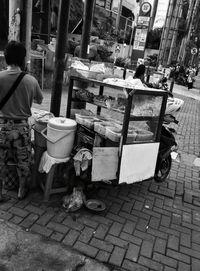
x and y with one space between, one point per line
15 140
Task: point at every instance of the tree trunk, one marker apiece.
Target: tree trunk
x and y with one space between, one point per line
15 8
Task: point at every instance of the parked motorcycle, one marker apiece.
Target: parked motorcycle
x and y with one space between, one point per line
173 104
181 80
168 150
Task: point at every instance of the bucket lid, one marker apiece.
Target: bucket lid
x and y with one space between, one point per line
61 123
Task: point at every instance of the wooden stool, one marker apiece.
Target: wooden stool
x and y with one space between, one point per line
47 186
38 151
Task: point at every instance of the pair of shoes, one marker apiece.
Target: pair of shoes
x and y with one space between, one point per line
22 193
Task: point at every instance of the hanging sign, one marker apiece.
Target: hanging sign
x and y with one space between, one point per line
145 9
194 51
144 15
141 31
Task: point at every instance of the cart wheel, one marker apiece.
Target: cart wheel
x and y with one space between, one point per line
163 169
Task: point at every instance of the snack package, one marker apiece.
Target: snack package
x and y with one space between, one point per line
74 201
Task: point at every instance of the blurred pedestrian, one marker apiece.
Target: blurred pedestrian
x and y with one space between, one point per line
194 70
140 72
190 77
54 19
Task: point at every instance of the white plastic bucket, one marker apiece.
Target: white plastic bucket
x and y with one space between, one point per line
39 139
60 137
40 123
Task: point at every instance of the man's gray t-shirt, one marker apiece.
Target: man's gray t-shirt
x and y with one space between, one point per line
19 104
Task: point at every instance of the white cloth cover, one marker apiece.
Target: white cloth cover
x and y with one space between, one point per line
81 160
48 161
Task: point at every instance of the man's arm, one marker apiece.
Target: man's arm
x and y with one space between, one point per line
38 96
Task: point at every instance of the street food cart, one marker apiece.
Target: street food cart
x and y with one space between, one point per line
120 124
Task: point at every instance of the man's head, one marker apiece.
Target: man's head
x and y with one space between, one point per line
15 53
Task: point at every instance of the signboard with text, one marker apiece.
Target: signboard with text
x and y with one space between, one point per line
141 31
100 3
143 21
140 39
108 4
104 4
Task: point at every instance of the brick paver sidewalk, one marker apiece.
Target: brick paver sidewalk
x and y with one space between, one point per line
146 226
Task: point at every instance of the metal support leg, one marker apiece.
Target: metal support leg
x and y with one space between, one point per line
48 183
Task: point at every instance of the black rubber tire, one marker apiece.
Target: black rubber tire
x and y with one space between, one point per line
163 169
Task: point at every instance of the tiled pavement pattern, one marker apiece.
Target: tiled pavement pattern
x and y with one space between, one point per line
146 226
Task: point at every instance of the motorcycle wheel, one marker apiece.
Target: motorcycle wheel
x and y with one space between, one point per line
163 169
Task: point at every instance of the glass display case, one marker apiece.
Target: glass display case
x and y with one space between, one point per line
121 125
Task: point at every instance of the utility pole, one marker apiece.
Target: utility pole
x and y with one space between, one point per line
89 6
26 30
118 15
61 44
131 38
45 24
87 23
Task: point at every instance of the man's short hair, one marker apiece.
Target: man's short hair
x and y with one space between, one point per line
15 53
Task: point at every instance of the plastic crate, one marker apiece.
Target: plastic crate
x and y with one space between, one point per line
100 127
115 136
134 135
